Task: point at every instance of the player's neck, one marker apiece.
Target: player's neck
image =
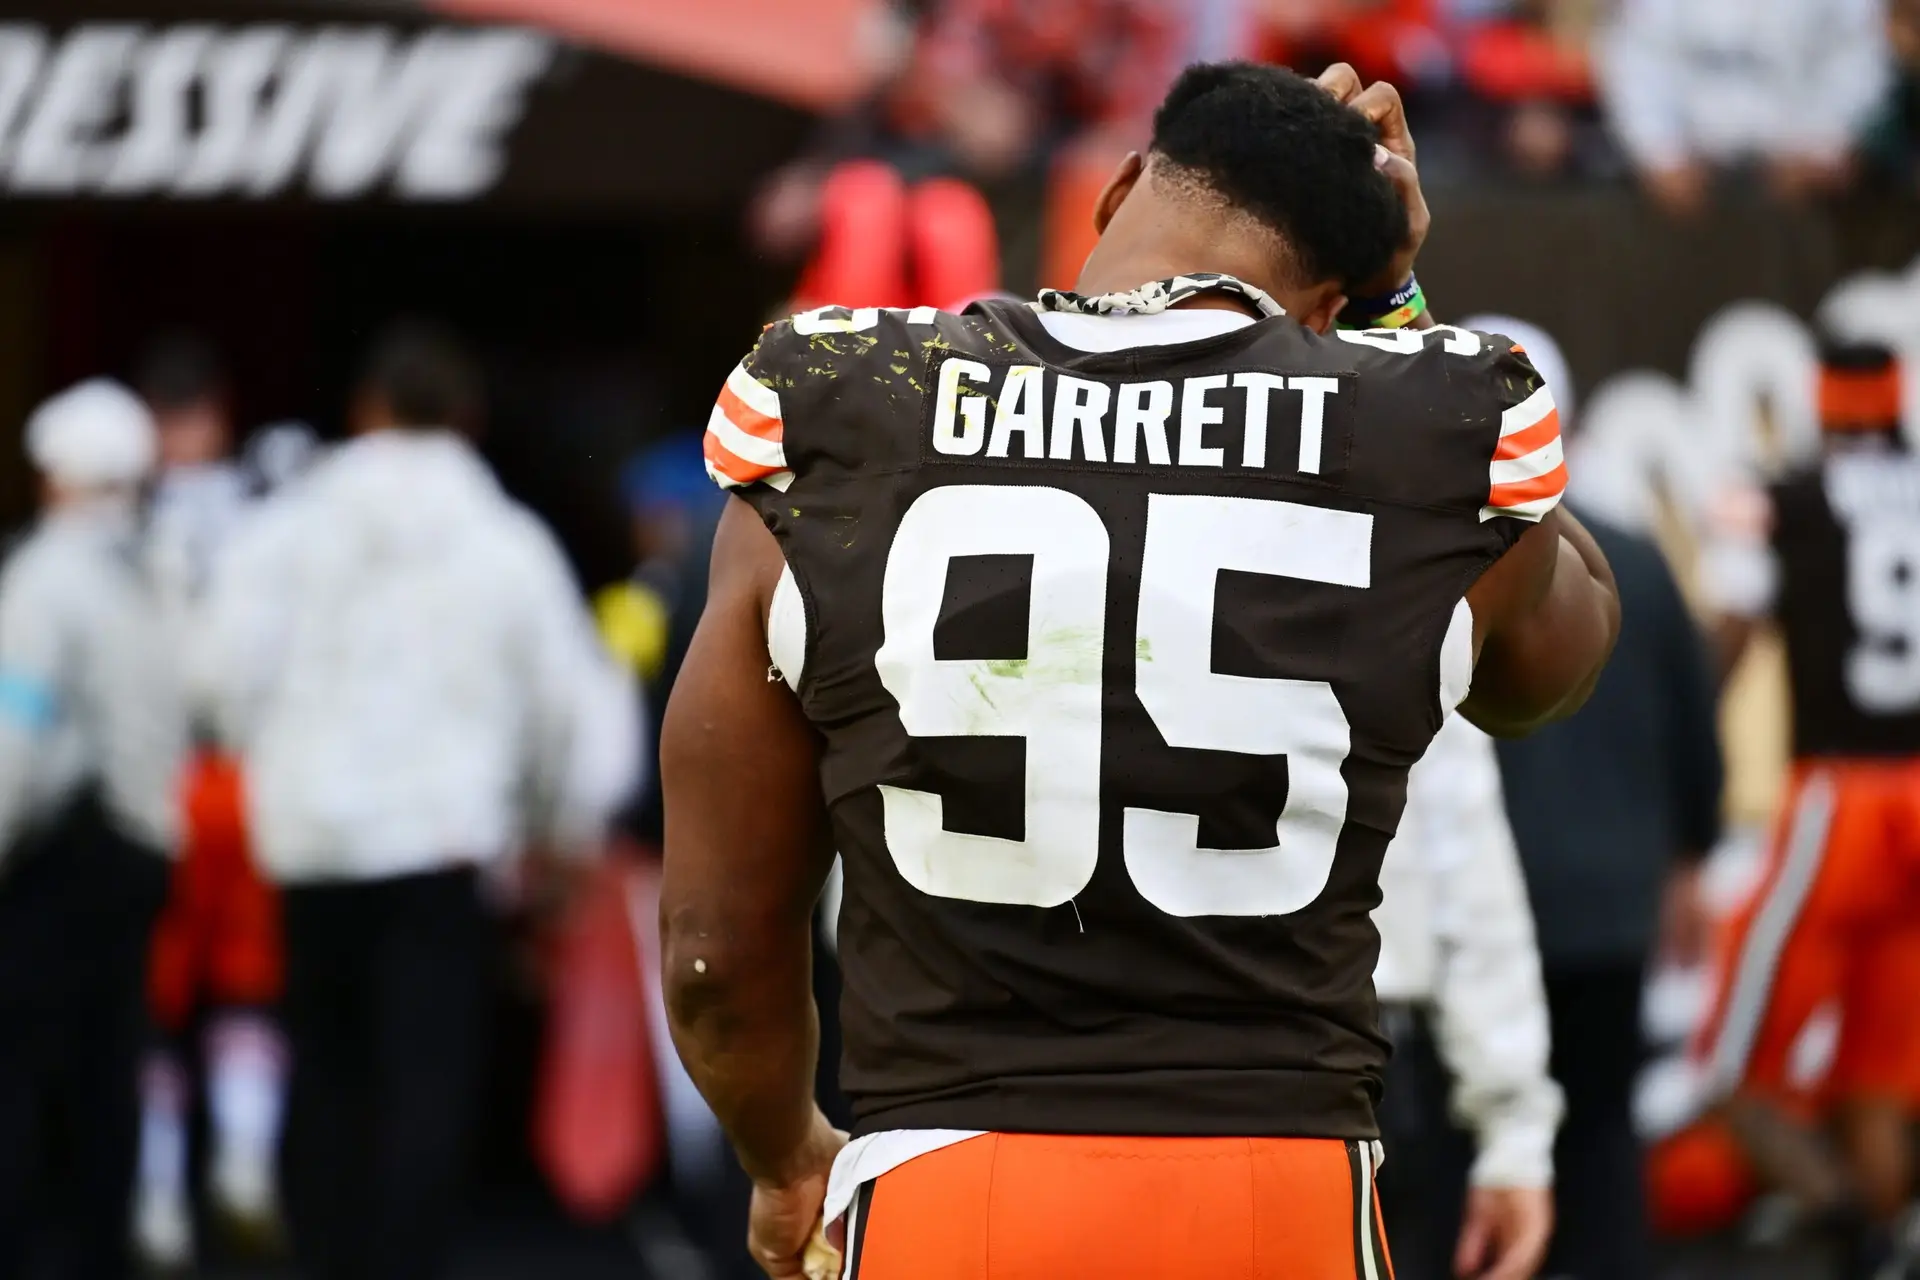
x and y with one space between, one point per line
1116 267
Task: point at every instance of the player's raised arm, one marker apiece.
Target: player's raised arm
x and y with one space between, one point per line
1546 616
747 854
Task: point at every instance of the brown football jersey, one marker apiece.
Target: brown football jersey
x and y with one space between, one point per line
1846 537
1120 660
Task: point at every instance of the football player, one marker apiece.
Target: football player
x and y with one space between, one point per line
1097 635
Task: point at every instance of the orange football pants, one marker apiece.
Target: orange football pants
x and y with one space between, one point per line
1835 920
218 939
1044 1207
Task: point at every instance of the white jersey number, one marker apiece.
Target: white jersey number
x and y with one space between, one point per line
1883 595
1052 697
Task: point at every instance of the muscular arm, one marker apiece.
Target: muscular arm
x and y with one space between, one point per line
1545 619
747 853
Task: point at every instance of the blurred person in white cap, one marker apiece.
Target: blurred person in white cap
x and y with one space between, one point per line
401 658
92 735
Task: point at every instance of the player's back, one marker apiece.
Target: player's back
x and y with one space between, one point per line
1847 541
1121 646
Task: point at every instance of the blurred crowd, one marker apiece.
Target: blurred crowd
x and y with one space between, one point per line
1006 115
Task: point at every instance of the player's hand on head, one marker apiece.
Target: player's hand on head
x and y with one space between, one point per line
786 1213
1505 1234
1397 157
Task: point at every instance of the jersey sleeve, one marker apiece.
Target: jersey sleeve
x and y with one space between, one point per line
1527 475
746 432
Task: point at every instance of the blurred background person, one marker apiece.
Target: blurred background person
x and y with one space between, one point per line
1696 88
200 491
92 736
1833 926
1461 998
217 956
1891 143
400 656
647 620
1614 809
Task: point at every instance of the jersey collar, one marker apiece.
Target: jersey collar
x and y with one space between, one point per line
1156 296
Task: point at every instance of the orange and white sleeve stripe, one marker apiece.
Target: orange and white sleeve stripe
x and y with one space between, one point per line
746 439
1528 476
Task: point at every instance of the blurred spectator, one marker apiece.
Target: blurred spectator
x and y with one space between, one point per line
398 653
1613 810
1002 96
1891 144
1487 78
1461 997
199 493
1695 87
647 621
92 734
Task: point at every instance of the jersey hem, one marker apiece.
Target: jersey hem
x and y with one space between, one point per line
1201 1103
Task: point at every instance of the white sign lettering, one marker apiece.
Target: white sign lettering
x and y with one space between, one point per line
196 110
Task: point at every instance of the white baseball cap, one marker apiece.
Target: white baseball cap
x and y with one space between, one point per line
93 435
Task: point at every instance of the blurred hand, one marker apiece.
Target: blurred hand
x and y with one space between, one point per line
784 216
1506 1232
784 1216
1686 925
1797 178
1380 103
550 882
1680 190
990 125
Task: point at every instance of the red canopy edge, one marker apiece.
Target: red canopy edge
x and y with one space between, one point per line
819 54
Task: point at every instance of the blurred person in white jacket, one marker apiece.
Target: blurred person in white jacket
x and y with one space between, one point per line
399 654
92 734
1461 995
1691 86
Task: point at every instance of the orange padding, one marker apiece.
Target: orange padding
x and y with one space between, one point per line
1860 399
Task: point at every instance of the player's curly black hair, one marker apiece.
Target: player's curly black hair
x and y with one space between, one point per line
1275 145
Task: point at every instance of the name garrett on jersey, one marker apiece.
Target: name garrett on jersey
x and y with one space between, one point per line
1248 420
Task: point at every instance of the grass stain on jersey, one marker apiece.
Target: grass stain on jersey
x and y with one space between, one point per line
1142 648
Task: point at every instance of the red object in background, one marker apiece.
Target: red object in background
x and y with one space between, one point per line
1397 40
218 940
597 1129
1513 62
952 248
1407 42
1074 184
1699 1181
884 244
861 257
822 54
